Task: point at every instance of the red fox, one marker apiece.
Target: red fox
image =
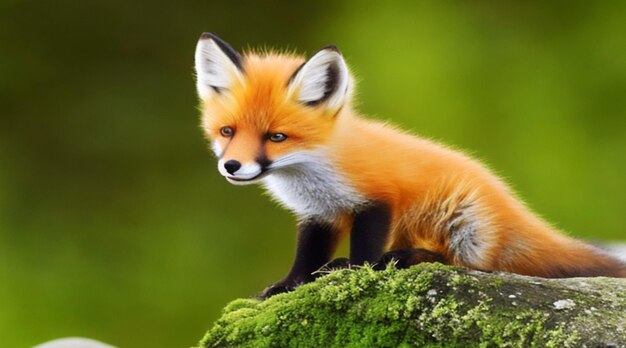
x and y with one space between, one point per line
289 124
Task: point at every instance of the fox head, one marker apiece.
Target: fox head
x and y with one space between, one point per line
264 112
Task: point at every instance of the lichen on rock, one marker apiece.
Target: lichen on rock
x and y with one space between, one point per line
430 305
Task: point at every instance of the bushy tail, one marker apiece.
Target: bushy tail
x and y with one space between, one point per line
567 258
597 263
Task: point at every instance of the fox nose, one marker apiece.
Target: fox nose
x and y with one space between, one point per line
232 166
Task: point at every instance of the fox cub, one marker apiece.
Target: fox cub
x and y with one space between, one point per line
289 124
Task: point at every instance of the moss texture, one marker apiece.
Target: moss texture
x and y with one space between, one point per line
430 305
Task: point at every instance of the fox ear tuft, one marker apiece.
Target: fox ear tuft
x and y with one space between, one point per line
323 78
218 65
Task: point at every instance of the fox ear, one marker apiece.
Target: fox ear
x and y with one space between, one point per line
218 65
323 78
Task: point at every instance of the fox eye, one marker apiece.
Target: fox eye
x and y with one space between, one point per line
278 137
227 131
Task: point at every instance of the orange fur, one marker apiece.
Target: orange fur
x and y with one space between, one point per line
426 185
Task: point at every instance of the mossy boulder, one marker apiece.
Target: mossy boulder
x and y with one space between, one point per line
430 305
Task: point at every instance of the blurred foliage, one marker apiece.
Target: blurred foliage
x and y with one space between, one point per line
114 223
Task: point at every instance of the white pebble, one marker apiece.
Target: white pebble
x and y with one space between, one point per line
73 342
564 304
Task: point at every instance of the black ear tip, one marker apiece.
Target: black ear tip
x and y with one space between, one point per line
331 48
207 36
234 56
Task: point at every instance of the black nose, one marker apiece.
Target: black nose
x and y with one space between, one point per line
232 166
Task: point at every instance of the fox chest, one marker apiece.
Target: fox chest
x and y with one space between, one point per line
313 192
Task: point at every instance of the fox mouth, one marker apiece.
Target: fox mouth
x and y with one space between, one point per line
236 180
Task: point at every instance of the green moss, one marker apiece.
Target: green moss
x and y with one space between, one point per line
428 305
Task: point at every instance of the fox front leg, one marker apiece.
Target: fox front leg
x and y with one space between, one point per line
315 246
370 231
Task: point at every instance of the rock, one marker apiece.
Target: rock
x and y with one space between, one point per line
430 305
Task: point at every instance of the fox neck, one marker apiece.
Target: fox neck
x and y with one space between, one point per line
313 187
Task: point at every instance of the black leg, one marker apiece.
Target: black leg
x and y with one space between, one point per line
316 244
405 258
370 230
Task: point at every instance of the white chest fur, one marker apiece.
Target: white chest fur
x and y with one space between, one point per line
311 187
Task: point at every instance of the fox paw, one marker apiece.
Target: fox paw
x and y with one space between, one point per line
334 265
405 258
399 258
276 289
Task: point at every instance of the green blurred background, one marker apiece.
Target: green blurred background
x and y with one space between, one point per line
114 222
